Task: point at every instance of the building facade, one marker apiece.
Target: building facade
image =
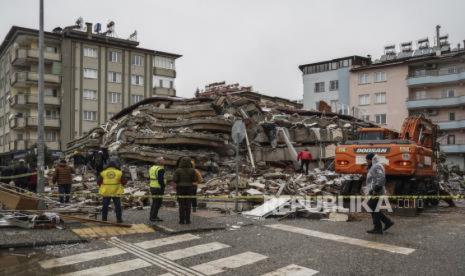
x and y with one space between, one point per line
328 81
88 78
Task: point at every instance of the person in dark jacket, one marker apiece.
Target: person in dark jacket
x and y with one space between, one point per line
376 182
79 162
21 182
63 178
98 162
184 177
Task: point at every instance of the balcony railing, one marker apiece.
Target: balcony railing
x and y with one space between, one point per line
432 77
23 122
457 145
25 78
29 99
435 102
22 55
451 125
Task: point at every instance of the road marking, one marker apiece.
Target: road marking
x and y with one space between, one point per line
112 268
162 262
193 251
235 261
109 252
348 240
292 270
82 257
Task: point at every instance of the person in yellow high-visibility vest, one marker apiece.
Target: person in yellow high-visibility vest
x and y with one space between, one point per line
111 182
198 180
157 187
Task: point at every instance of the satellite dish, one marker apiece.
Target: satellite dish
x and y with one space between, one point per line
133 36
238 131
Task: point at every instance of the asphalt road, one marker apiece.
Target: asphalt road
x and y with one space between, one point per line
430 244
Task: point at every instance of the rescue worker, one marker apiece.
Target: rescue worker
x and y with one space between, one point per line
197 181
63 178
111 181
184 177
305 157
157 187
376 181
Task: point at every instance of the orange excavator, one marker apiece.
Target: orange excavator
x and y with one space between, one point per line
409 157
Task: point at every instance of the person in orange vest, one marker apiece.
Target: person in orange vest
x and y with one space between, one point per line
111 182
304 157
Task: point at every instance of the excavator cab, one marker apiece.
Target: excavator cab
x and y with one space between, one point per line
376 134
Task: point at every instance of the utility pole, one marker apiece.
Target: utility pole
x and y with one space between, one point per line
40 106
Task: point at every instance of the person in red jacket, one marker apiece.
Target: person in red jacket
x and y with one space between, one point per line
304 157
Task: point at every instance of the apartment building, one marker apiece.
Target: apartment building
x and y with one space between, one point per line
89 76
328 81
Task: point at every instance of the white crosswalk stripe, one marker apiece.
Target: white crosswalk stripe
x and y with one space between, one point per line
220 265
193 251
109 252
343 239
292 270
112 268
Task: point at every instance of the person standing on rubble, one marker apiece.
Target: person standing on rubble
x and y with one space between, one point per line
79 162
197 181
98 161
63 178
157 187
184 177
111 181
304 157
376 181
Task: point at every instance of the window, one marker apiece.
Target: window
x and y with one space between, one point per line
171 84
447 93
345 63
334 65
137 80
380 118
380 98
419 95
333 85
419 72
363 79
136 98
90 115
366 117
319 87
114 77
137 60
51 49
452 70
114 56
90 52
51 136
452 116
380 76
89 94
52 114
115 97
451 139
49 92
161 83
90 73
164 62
364 99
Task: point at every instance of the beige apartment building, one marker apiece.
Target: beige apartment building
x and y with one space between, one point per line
426 80
88 78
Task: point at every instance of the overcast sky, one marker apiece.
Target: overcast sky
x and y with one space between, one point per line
252 42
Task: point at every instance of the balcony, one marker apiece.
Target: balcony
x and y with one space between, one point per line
22 56
26 99
448 125
436 102
436 77
27 144
455 148
25 79
158 71
161 91
26 122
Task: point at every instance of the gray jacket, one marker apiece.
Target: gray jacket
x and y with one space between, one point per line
376 178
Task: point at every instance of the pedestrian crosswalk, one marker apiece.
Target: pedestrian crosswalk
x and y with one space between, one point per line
141 257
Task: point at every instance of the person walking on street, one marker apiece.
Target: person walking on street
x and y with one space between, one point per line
157 187
184 177
197 181
305 157
63 178
376 181
21 169
111 181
